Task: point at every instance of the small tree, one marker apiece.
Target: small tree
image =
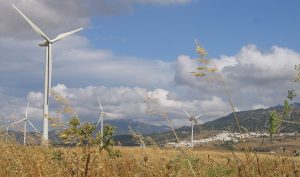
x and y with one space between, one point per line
84 136
77 133
106 141
274 123
276 119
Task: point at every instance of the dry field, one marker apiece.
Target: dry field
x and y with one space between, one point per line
16 160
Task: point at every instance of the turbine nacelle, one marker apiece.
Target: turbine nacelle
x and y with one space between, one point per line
192 118
44 44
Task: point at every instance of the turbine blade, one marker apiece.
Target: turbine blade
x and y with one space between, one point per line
35 28
187 114
63 35
17 121
26 114
33 127
100 104
198 116
50 68
108 114
99 120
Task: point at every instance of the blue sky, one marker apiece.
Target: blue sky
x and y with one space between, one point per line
223 27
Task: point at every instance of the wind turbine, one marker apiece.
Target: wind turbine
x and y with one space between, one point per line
6 134
25 120
192 119
48 68
101 116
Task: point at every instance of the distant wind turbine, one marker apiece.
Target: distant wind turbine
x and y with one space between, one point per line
7 136
25 120
101 116
48 68
192 119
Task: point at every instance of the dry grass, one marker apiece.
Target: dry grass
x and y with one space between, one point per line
16 160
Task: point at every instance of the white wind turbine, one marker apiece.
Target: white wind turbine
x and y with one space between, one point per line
25 120
6 134
192 119
48 68
101 115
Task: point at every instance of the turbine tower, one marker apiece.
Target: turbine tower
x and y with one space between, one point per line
48 69
192 119
25 120
101 116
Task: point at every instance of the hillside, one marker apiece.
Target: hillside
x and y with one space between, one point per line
254 120
251 120
122 125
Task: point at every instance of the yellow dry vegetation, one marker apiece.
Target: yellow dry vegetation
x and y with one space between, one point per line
16 160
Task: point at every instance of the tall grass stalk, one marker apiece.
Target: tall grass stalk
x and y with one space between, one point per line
202 53
165 116
181 148
202 71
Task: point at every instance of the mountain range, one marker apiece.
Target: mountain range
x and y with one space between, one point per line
250 120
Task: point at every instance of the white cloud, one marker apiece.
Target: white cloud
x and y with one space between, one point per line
225 61
35 99
254 77
94 66
274 65
75 63
259 106
121 102
162 96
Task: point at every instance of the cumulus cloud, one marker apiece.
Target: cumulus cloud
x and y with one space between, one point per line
76 63
35 99
121 102
263 67
255 78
